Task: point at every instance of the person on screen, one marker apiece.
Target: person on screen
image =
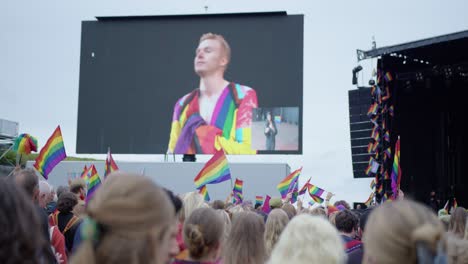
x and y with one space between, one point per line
270 132
218 114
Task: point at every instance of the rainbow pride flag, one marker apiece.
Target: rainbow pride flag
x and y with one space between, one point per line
237 198
387 136
84 174
388 77
287 183
372 109
111 166
94 182
295 192
317 199
305 187
51 154
24 144
369 200
216 170
204 191
258 199
315 191
396 170
238 186
372 184
311 202
266 205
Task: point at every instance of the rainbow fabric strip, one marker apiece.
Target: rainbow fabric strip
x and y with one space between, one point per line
84 174
94 182
237 198
51 154
285 185
369 200
216 170
24 144
258 199
111 166
238 186
305 187
204 192
388 77
317 199
387 136
315 191
372 109
372 184
396 170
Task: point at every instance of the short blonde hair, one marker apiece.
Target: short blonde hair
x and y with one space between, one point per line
294 245
221 40
192 201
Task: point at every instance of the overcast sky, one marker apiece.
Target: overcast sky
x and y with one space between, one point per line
40 54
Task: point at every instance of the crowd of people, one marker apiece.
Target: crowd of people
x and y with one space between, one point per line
130 219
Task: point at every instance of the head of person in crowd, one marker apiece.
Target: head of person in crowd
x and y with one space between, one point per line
192 201
174 248
318 211
29 182
78 187
411 233
342 203
129 221
363 221
275 224
275 202
227 223
347 223
289 209
308 239
218 204
21 240
245 243
62 189
332 217
203 235
53 196
458 222
44 193
66 203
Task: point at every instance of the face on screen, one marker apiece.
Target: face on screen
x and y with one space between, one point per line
209 57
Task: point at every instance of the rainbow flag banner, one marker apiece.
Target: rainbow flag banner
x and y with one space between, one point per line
24 144
266 205
317 199
238 186
94 182
315 191
111 166
373 109
237 198
311 202
51 154
305 187
216 170
396 170
204 191
258 199
284 187
388 77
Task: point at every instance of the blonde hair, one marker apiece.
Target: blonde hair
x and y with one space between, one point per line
222 41
227 223
395 230
458 222
319 211
289 209
191 201
245 243
134 216
308 239
275 224
203 232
